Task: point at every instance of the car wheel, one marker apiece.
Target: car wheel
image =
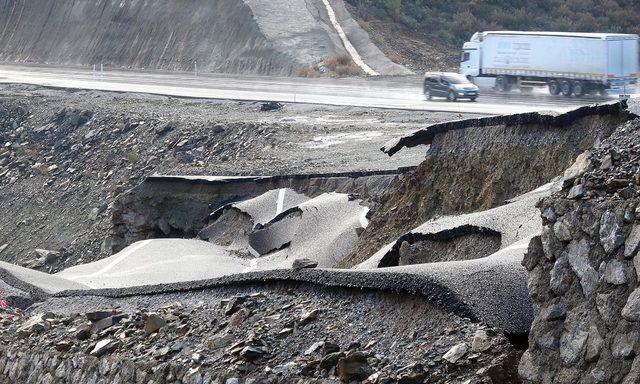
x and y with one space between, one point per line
566 88
427 93
473 98
554 87
452 96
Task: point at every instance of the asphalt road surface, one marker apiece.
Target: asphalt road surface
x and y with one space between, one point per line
377 92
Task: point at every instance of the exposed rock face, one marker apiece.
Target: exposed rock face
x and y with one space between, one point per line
587 296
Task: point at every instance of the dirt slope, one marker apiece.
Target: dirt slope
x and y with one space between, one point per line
228 36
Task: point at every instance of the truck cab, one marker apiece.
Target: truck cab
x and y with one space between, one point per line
470 58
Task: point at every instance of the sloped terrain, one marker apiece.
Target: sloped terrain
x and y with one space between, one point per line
429 35
223 36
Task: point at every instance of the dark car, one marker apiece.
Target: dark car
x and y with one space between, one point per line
451 85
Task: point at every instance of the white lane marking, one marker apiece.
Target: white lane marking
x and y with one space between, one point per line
347 44
364 222
253 251
115 262
280 204
515 246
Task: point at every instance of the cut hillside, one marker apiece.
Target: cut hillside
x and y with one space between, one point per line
224 36
429 35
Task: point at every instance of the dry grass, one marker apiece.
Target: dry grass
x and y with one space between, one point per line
311 72
337 66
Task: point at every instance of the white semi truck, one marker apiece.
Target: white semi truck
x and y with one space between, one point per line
567 63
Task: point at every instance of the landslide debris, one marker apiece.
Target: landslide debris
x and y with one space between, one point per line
281 334
65 156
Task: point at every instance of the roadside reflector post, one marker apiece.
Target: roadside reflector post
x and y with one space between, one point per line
195 67
94 70
101 70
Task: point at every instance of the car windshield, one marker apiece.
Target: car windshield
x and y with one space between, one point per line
456 79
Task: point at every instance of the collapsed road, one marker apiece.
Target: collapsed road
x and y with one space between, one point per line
239 261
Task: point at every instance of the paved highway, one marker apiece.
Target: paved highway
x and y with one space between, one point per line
376 92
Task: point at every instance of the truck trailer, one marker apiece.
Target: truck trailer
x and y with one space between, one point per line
566 63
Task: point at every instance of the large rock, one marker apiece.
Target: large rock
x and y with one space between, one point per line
611 236
579 167
631 310
615 272
154 323
561 276
574 338
633 242
578 255
456 352
353 366
529 369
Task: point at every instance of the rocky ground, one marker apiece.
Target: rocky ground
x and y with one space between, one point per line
66 155
583 270
284 333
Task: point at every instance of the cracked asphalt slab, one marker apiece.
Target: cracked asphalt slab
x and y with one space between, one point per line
323 229
518 219
490 289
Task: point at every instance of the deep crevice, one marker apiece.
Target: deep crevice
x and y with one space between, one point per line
392 258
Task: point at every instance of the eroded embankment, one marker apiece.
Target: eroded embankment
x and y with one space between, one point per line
220 35
477 164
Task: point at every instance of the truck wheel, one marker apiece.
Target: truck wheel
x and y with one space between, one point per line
566 88
502 84
452 96
554 87
579 88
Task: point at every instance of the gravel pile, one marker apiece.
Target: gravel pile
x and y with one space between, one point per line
611 169
288 335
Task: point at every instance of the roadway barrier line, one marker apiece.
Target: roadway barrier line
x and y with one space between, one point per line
345 41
